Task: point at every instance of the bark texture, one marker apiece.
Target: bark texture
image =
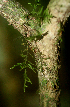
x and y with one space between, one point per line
47 49
49 46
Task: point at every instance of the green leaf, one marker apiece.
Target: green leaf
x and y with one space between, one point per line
30 4
28 80
40 11
23 55
18 64
25 87
30 66
30 62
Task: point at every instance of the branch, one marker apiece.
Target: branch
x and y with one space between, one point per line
60 9
16 15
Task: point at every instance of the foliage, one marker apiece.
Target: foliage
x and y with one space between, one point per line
38 12
39 17
35 20
26 64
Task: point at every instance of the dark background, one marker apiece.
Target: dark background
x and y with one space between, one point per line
65 66
11 81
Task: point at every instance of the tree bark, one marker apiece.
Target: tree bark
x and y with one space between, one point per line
48 56
47 49
49 46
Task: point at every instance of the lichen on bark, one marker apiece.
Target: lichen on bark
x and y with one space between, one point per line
46 49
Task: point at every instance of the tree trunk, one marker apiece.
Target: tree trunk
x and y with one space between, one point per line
48 54
46 50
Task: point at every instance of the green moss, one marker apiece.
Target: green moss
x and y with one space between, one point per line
35 24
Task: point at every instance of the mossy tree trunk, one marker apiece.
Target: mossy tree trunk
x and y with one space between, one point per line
47 49
49 46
